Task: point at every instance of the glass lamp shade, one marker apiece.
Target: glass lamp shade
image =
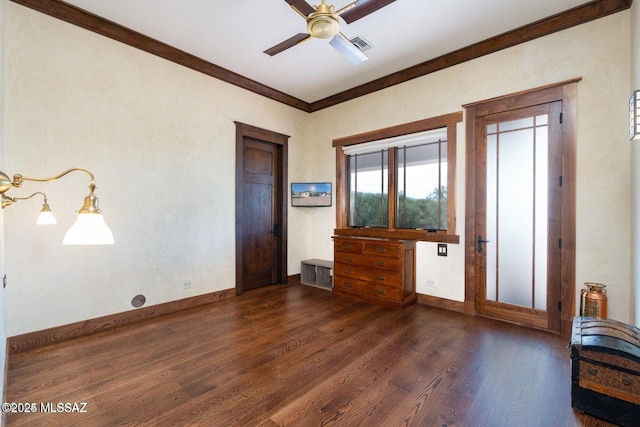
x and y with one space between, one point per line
46 218
89 229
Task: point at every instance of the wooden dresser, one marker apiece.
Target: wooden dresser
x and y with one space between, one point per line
380 271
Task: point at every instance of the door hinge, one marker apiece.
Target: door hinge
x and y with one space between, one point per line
560 243
559 305
561 117
560 180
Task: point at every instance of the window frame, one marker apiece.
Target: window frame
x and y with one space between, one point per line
449 121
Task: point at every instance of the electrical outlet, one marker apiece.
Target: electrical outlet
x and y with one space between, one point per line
431 283
187 284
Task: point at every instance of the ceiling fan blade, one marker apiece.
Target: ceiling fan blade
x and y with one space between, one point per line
363 8
342 44
302 6
290 42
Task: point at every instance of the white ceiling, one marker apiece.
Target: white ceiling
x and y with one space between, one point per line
234 33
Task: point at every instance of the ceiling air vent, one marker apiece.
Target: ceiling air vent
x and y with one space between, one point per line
361 43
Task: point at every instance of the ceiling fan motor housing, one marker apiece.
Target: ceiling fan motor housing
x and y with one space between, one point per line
323 26
323 23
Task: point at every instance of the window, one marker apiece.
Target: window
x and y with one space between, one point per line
421 176
369 189
399 182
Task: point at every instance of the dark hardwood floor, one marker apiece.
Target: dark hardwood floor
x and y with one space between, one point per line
299 356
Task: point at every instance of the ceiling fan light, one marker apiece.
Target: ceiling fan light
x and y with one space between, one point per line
348 49
323 26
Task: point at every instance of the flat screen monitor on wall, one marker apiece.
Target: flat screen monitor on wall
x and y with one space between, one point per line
310 194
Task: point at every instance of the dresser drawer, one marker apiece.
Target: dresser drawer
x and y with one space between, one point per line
348 245
350 284
382 249
380 263
381 277
383 291
368 288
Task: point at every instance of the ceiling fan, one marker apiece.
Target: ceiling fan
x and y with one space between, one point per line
322 23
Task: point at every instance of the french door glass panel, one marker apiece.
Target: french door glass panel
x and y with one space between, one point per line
517 193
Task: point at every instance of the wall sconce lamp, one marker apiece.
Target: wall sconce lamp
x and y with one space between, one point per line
634 116
46 216
89 228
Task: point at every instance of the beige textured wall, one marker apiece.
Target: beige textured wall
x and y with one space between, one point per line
635 172
160 140
599 53
3 326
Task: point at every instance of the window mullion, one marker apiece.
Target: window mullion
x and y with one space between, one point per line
355 194
404 187
392 190
439 191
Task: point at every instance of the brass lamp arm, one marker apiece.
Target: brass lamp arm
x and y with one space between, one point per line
7 201
17 179
6 183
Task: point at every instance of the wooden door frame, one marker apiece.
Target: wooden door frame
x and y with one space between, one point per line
566 92
281 142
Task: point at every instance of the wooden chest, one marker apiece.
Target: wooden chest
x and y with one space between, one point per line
605 370
381 271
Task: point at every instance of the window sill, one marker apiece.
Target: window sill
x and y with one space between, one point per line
381 233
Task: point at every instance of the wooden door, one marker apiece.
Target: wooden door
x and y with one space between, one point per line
260 208
261 224
558 101
518 215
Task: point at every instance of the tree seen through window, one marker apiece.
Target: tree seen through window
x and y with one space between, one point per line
420 192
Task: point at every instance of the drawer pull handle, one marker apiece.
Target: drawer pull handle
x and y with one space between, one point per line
347 272
627 381
347 247
381 263
379 277
381 291
348 284
347 259
592 371
381 250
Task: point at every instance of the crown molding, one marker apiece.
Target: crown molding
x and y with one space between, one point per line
88 21
562 21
